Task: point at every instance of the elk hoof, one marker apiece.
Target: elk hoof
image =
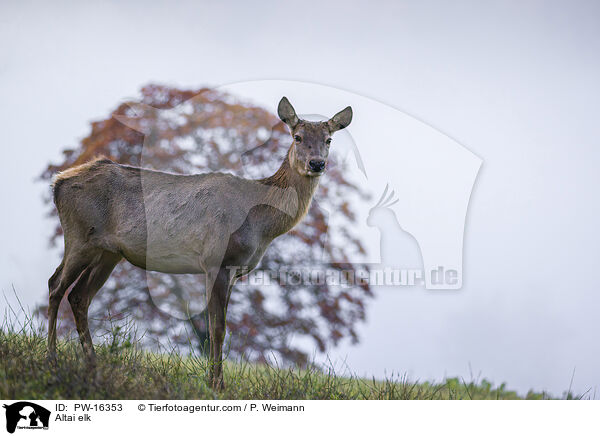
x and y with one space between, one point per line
218 384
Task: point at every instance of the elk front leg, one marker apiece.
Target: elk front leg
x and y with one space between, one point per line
217 310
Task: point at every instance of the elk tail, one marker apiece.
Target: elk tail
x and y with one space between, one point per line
74 171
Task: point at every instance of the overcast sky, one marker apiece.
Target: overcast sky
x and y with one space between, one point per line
516 83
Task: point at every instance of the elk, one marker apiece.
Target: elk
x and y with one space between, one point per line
213 223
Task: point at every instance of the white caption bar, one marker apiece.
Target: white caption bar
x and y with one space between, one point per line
150 417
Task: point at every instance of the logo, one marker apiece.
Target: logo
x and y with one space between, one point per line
26 415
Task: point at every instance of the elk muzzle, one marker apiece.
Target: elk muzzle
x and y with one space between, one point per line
316 165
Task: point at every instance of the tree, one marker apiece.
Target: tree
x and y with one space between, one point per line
209 130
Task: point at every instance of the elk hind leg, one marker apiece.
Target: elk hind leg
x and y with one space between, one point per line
80 297
64 276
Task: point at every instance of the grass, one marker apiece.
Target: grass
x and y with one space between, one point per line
125 371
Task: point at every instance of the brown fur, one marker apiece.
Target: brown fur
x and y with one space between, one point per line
75 171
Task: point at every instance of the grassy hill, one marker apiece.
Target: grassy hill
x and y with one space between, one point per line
128 372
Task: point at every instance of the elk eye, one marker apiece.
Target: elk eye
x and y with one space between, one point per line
328 141
297 138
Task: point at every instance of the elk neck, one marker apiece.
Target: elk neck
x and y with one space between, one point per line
290 191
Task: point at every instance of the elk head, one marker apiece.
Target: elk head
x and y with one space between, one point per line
310 148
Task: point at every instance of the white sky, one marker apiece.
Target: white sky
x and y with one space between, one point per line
516 83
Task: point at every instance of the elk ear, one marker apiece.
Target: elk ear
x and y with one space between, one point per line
286 113
341 120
